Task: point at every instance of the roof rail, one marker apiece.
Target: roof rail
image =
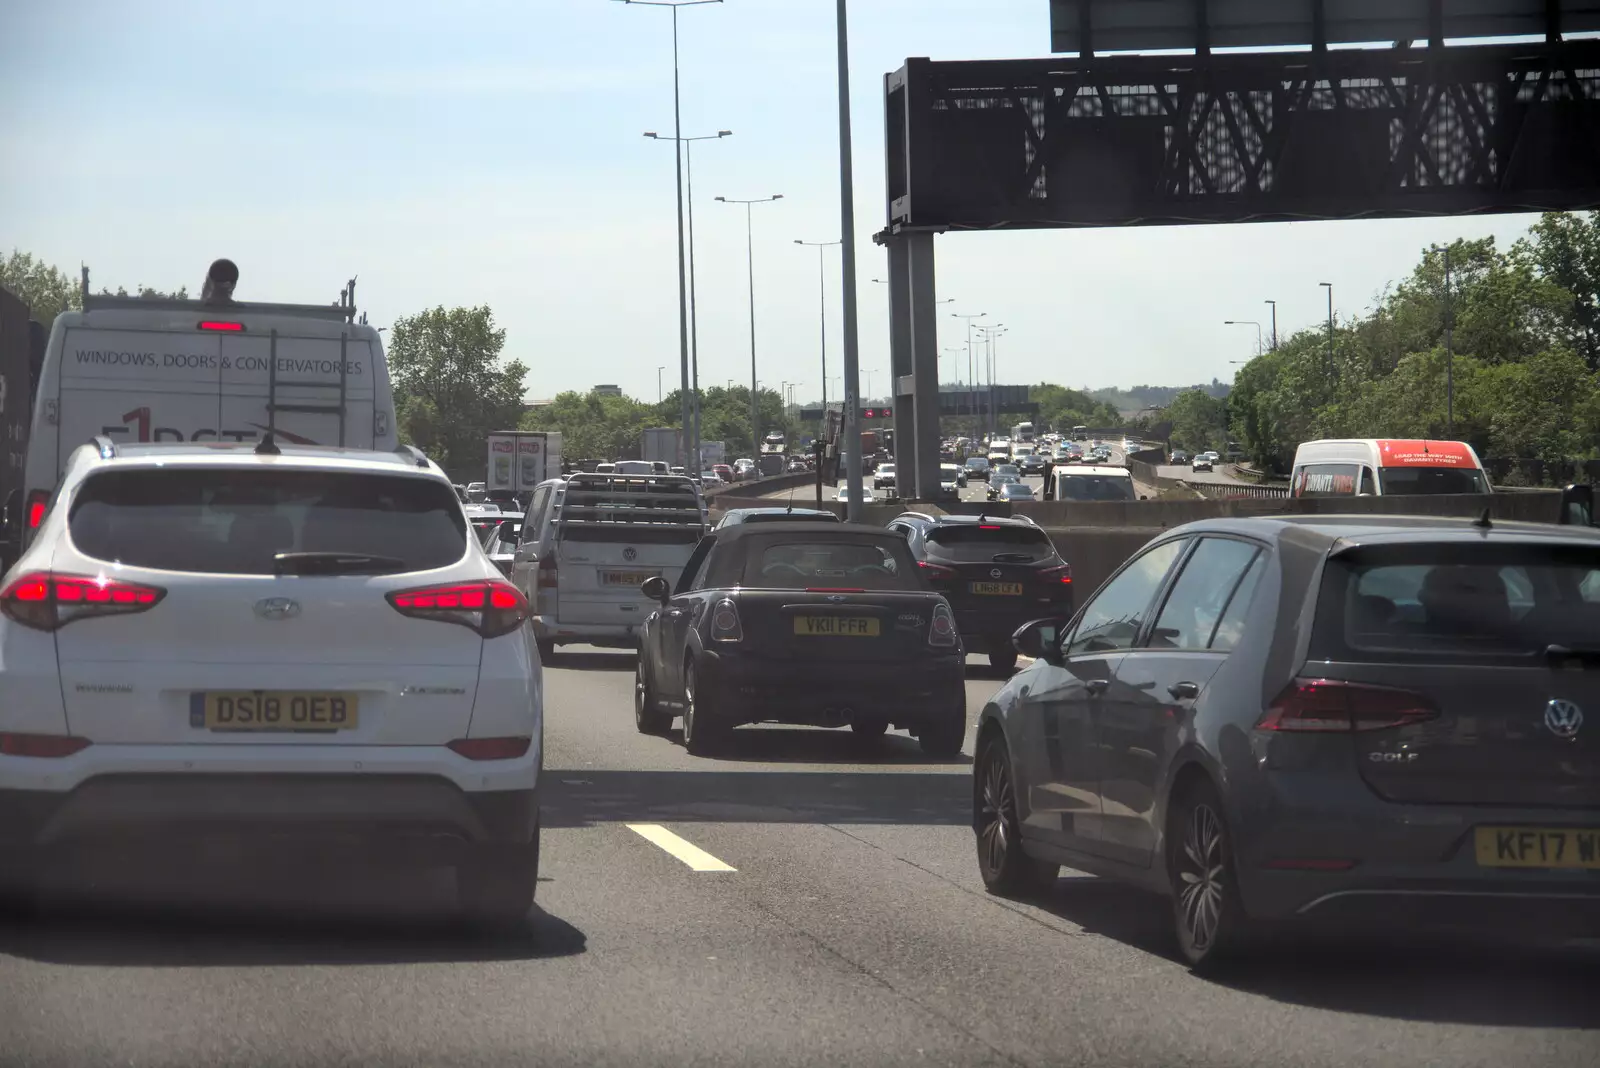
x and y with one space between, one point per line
106 302
104 446
414 454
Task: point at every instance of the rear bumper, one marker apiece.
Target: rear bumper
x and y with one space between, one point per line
413 815
753 689
1414 865
609 635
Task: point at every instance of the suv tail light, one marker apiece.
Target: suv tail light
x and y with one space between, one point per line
45 600
1059 575
942 631
549 578
489 608
38 505
936 572
1323 705
725 624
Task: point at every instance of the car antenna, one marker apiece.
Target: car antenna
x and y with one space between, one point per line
268 447
1482 522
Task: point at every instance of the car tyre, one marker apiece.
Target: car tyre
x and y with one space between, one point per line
1208 913
1006 869
702 733
943 737
495 884
647 713
1003 659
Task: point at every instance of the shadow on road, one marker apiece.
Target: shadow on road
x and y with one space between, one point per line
1440 978
819 745
209 919
583 798
620 660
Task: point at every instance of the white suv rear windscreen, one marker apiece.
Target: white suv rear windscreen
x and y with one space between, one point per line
232 521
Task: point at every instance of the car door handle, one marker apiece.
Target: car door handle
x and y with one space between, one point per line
1096 686
674 612
1184 691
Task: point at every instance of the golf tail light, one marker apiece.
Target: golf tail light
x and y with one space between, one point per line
489 608
942 632
725 625
45 600
1333 705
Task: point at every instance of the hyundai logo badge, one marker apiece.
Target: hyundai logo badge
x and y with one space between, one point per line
277 608
1563 718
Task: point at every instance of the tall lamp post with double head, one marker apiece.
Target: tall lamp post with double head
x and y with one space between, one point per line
1274 324
750 258
692 429
683 281
971 371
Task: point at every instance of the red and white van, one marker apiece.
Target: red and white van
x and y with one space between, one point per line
1361 467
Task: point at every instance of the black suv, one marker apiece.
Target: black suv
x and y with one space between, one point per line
997 573
1034 464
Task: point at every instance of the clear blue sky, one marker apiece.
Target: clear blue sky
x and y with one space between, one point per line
478 152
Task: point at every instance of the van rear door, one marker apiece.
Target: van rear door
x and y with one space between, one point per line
613 533
322 392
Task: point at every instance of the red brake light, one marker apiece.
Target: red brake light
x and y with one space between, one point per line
943 630
490 608
988 526
492 748
45 600
38 504
1323 705
1061 573
41 745
725 624
208 324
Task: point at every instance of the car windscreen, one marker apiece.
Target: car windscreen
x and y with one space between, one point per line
1072 487
858 563
977 463
1398 481
1460 603
231 521
982 542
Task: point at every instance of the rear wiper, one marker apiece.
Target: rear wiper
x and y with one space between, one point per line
335 564
1013 558
1589 656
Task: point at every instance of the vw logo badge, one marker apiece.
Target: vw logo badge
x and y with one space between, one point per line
1563 718
630 554
996 573
277 608
836 598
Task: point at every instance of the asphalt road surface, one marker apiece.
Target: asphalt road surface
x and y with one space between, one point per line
1223 475
807 899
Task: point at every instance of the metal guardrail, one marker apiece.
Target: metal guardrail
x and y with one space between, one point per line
1225 491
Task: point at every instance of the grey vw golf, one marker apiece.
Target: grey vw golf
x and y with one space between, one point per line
1308 718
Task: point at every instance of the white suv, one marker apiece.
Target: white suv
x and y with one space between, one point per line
269 643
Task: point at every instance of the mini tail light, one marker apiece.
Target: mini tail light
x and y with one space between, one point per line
38 504
1061 574
942 632
508 748
48 746
1333 705
725 625
46 600
489 608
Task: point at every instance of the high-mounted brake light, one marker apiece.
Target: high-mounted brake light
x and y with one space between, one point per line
1333 705
988 526
490 608
725 623
38 505
46 600
213 324
508 748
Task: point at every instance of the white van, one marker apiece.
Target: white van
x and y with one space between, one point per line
150 370
589 541
1089 483
1361 467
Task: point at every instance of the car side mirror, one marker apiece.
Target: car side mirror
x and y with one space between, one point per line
1577 506
655 587
1142 497
1040 639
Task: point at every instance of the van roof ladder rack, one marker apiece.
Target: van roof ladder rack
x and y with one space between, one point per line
274 406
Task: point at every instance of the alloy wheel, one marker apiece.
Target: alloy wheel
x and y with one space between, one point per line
996 803
1202 872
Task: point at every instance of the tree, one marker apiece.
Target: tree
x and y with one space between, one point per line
451 390
1199 421
46 290
1565 251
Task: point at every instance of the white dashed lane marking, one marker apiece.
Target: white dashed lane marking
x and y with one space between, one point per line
696 858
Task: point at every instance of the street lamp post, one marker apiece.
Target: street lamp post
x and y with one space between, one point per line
692 430
659 369
822 305
1247 322
1449 348
847 234
1274 324
1329 287
677 131
990 333
750 260
971 376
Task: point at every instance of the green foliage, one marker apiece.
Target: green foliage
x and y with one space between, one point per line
612 428
1199 421
1138 397
1524 342
1062 409
450 387
46 290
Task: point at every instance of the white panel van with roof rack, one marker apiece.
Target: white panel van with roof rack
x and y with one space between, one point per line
139 370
